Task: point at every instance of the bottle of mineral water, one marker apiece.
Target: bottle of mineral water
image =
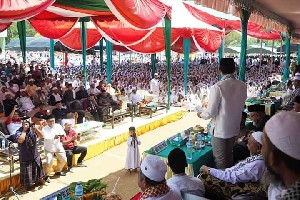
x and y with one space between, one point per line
78 191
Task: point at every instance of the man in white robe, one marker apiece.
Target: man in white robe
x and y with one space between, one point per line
133 153
154 85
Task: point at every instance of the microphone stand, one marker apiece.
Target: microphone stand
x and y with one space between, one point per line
11 164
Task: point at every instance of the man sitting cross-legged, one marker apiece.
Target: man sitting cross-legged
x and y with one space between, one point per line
247 172
69 143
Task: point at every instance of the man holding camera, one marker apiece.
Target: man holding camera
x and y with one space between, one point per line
69 142
52 133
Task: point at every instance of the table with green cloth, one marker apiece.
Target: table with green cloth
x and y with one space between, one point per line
199 158
270 107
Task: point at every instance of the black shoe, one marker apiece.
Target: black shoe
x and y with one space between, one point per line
60 173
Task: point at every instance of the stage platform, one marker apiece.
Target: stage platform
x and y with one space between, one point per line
105 139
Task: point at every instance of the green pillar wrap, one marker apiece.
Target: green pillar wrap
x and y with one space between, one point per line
186 53
167 34
221 54
83 48
52 53
22 36
298 53
108 60
286 71
101 54
153 64
244 23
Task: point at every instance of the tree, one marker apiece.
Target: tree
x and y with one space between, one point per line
233 39
12 31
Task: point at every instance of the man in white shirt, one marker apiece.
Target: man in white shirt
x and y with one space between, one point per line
225 105
135 98
93 89
248 170
152 181
281 152
154 85
52 145
180 181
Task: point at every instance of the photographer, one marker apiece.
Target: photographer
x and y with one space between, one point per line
31 169
133 153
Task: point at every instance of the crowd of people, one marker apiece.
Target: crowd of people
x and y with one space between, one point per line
54 99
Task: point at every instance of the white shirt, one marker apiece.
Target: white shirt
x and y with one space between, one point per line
93 91
185 183
154 86
248 170
135 98
57 97
51 144
274 191
171 195
13 127
225 106
26 103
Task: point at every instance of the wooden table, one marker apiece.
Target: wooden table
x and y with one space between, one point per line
150 110
117 117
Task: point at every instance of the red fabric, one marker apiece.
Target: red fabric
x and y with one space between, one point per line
253 30
12 10
154 43
120 32
137 196
257 31
53 28
4 26
208 18
142 14
120 48
10 120
207 39
178 46
73 40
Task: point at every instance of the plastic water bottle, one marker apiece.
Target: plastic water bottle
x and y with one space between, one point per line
189 146
78 191
3 143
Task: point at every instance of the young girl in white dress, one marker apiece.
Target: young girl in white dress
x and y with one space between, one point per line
133 153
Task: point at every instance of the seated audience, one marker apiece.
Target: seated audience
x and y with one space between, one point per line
297 104
8 103
13 121
281 152
290 101
152 182
69 142
247 171
59 112
258 117
180 181
91 106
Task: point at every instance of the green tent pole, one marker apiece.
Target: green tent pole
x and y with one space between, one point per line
167 34
221 55
298 53
153 64
108 60
286 70
52 53
244 24
22 36
186 53
83 48
101 54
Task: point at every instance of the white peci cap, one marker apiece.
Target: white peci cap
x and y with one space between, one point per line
257 136
154 168
283 131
